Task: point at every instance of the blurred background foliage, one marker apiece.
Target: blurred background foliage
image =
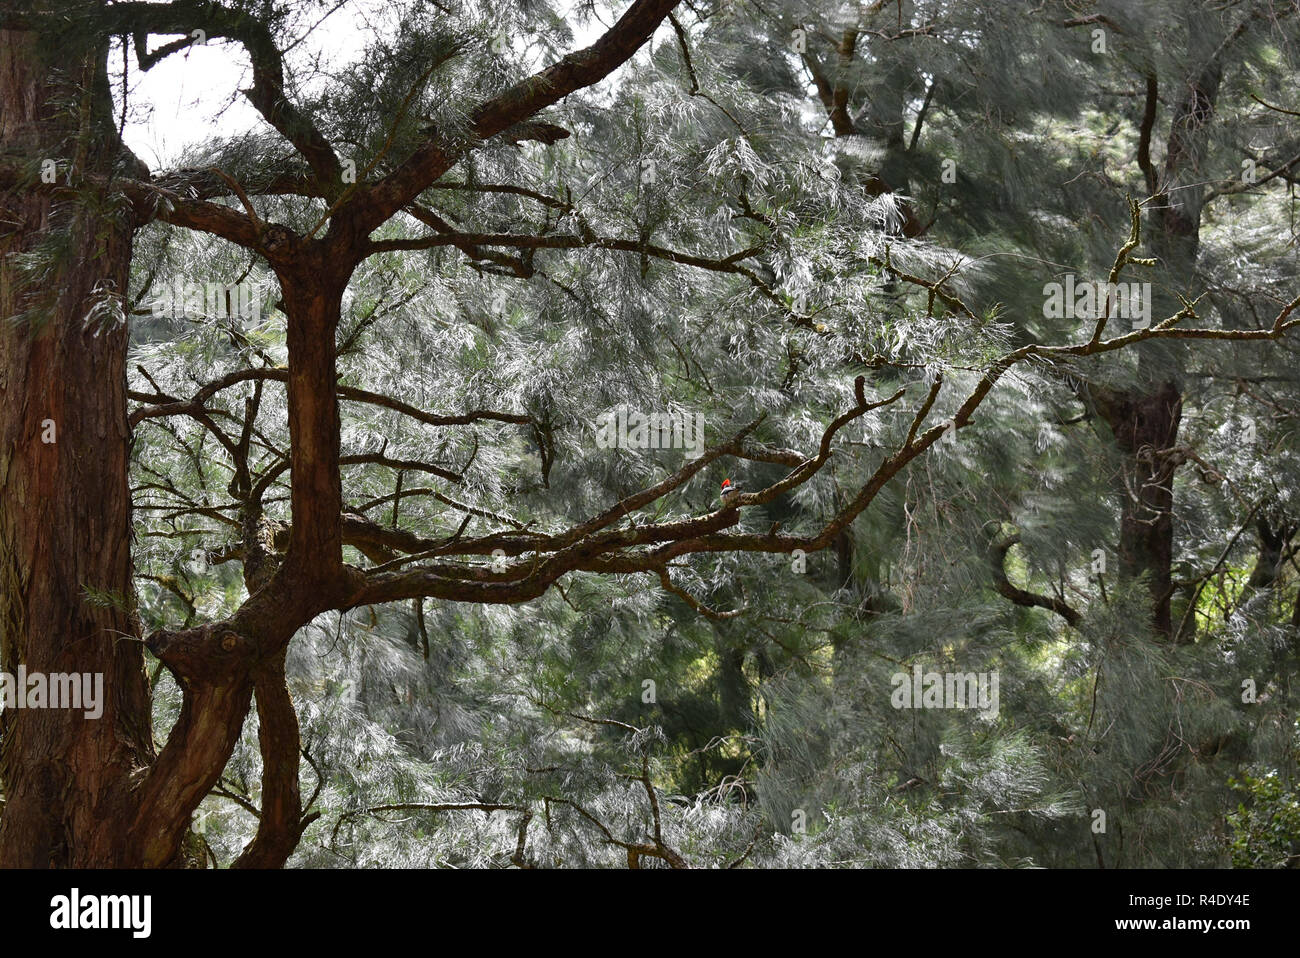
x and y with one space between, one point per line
769 738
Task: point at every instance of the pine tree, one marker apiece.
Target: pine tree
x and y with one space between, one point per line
393 480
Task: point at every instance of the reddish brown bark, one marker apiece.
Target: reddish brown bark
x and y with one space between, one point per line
282 822
219 665
65 508
65 520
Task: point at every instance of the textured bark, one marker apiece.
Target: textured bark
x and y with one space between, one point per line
282 822
65 509
91 793
219 665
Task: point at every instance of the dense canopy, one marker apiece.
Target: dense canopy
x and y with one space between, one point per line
371 448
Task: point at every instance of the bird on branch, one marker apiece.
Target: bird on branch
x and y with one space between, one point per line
729 492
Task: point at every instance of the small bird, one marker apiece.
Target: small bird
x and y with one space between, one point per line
730 490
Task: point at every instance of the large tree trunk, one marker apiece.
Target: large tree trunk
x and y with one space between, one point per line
66 597
92 793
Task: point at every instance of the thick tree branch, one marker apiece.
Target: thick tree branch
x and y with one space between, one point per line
267 94
281 823
370 207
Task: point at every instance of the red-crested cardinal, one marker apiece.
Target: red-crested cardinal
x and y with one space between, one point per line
729 491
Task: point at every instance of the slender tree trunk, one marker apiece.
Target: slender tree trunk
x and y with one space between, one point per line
1145 419
1273 540
1144 424
66 598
